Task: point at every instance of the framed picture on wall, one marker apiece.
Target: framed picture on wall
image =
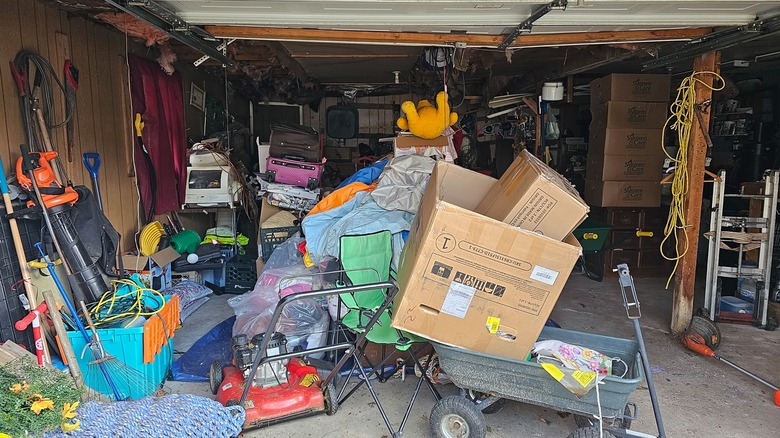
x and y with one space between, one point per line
197 97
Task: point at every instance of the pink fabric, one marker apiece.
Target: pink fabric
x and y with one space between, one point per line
159 99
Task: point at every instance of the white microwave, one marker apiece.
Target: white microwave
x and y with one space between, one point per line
211 186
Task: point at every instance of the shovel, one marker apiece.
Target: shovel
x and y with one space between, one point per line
92 163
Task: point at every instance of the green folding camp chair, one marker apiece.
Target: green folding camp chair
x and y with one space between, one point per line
366 259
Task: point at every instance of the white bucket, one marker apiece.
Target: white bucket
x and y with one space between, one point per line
552 91
263 151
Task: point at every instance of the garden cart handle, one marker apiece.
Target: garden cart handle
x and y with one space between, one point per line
631 303
630 300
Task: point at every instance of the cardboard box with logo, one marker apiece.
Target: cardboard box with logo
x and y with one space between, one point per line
410 145
634 115
623 193
474 282
617 141
631 88
534 197
624 168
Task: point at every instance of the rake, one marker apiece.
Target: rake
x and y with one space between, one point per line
130 383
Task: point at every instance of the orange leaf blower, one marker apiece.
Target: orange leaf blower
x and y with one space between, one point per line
695 342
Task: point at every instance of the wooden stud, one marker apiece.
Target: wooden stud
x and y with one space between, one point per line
685 278
282 34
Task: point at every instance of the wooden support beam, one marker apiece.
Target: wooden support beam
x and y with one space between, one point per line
433 39
685 278
286 60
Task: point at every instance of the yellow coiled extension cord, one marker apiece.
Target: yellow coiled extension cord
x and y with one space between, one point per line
683 111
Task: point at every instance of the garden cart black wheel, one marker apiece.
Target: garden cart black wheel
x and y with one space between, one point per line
478 397
331 400
215 376
619 423
457 417
589 432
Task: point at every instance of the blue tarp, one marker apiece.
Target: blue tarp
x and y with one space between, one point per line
193 366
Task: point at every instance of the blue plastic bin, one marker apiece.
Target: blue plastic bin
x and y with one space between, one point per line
735 305
127 345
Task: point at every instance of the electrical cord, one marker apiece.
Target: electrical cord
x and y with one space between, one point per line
125 305
683 111
44 76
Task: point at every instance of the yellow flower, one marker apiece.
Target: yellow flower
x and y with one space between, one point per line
69 410
70 425
19 387
41 403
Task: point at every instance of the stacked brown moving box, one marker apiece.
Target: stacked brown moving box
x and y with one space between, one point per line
625 157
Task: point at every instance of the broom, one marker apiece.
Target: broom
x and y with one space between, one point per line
131 383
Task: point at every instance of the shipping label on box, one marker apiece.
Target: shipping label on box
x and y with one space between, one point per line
623 193
630 87
623 168
474 282
534 197
637 115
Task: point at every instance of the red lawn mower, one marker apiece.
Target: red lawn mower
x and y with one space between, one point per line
274 385
280 390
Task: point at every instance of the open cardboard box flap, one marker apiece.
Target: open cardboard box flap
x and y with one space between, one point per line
140 262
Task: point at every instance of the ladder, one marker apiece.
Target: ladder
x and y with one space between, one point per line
739 231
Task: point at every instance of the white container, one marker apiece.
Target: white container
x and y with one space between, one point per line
263 151
552 91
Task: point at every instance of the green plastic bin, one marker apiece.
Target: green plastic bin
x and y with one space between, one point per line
592 234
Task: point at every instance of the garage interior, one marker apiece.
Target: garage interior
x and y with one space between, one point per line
163 201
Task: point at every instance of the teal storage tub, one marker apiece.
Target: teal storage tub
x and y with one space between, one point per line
127 345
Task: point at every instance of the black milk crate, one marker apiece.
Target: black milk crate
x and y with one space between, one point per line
11 309
240 274
270 238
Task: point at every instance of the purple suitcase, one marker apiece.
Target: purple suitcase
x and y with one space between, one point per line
297 173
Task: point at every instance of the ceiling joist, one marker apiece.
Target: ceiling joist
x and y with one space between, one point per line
448 39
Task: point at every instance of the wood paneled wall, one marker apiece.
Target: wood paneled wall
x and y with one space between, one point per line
103 122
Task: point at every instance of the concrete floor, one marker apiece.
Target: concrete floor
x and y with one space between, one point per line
699 396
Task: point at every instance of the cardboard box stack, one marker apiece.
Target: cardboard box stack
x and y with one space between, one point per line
625 155
481 283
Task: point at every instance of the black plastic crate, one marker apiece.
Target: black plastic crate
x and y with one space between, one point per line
240 275
11 309
270 238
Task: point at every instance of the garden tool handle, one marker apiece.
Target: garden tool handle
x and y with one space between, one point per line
640 233
139 125
30 317
92 163
590 236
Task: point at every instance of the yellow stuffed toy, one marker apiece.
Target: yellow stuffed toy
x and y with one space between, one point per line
425 120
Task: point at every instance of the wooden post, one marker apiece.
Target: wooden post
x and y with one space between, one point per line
685 278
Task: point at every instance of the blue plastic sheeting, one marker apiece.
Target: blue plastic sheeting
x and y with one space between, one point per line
193 366
366 175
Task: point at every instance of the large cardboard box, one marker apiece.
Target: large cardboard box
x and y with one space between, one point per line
623 168
630 87
616 141
474 282
534 197
635 115
410 145
623 193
